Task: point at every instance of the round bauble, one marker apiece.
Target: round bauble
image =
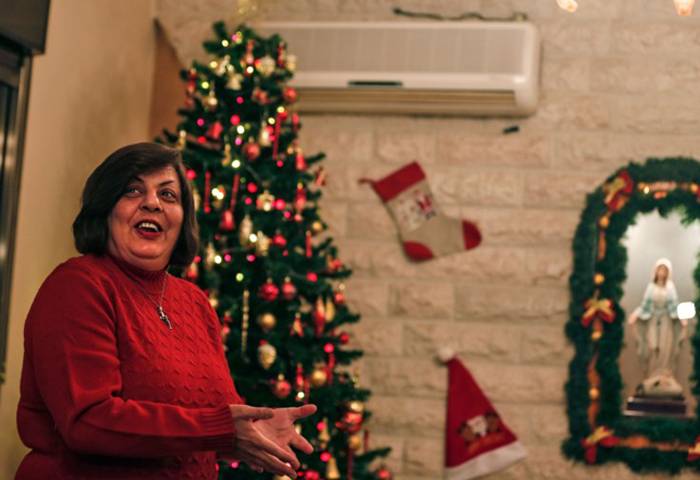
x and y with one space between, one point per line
251 151
318 377
268 291
281 388
289 290
267 321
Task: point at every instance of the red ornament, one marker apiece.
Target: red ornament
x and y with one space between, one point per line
227 224
278 240
192 272
207 192
339 298
300 161
319 315
260 96
312 277
282 116
227 318
290 95
215 130
344 338
279 204
289 290
251 150
191 174
281 388
325 456
268 291
312 475
384 474
300 197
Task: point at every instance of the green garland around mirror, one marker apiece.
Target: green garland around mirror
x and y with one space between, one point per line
599 432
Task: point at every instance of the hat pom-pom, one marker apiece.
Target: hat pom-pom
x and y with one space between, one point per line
445 354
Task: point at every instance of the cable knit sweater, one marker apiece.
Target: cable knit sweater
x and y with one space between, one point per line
109 391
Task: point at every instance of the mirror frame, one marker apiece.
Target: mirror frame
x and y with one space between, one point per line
599 433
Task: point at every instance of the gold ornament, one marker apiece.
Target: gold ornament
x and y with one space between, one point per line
596 335
226 161
213 300
332 472
264 137
604 222
594 393
281 477
211 101
245 321
317 227
598 278
355 442
291 62
356 406
267 354
318 376
324 437
262 246
196 198
234 81
265 201
330 310
218 194
181 140
246 229
266 66
267 321
209 256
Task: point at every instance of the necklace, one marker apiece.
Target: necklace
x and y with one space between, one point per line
159 304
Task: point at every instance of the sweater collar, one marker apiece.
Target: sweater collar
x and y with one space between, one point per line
147 277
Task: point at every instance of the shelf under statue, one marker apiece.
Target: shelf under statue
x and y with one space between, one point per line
660 335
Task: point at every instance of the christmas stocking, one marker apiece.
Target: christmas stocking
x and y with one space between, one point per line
425 232
477 440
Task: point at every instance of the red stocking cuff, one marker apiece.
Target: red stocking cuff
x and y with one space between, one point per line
395 183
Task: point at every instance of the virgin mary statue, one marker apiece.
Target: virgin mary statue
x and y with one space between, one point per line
660 334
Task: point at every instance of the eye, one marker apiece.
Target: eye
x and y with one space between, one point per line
132 191
169 195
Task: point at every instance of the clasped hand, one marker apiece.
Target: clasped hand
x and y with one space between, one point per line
264 437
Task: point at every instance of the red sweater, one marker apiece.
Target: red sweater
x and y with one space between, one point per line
108 391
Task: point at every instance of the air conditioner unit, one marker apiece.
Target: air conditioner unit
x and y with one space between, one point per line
459 68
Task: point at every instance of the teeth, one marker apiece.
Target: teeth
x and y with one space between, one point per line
148 226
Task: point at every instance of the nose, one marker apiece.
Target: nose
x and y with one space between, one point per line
151 202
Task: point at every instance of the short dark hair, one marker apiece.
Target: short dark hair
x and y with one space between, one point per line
107 183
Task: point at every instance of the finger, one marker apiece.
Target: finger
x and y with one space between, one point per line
300 443
246 412
273 464
302 412
253 464
285 455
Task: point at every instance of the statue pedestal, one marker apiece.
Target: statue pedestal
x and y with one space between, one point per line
642 406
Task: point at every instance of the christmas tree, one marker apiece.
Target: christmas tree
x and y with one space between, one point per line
269 267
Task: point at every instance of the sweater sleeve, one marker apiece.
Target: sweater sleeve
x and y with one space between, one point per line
70 337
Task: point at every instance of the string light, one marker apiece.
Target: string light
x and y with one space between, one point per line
684 8
568 5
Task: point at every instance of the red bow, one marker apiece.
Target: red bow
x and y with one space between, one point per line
618 190
595 308
602 436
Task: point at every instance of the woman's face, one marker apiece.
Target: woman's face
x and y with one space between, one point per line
661 274
145 223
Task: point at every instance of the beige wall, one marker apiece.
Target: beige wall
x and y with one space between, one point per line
619 83
90 93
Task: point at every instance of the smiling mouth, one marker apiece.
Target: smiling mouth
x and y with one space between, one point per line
149 226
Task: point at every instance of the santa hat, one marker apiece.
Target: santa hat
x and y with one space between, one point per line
477 441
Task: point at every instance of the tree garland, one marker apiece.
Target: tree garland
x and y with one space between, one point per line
599 432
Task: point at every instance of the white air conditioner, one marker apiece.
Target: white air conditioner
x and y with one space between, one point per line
458 68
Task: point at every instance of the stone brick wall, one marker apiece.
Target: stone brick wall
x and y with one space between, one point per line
618 82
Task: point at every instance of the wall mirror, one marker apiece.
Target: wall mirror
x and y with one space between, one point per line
632 389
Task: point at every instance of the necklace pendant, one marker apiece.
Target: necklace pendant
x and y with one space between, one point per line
164 318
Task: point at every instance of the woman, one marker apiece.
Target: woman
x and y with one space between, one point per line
660 333
124 374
